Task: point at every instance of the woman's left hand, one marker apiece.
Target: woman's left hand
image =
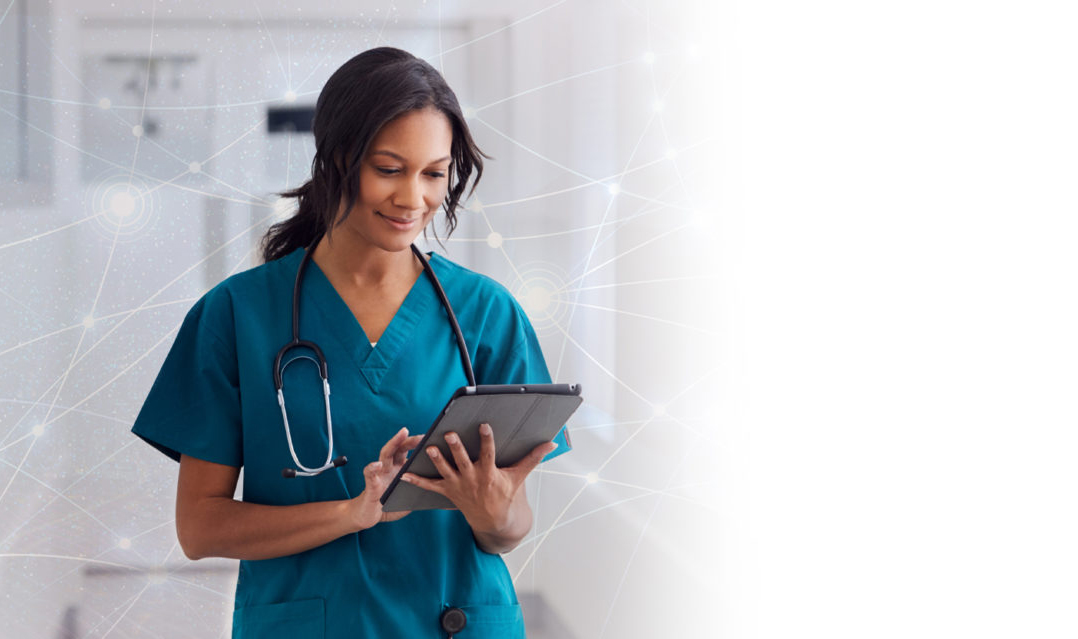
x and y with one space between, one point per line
482 492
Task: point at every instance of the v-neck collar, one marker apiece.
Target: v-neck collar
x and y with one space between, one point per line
337 317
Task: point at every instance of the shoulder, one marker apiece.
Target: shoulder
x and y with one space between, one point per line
477 295
483 304
242 293
460 276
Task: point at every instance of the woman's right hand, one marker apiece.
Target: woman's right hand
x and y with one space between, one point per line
366 508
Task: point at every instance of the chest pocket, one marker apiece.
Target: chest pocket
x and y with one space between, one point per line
492 622
304 619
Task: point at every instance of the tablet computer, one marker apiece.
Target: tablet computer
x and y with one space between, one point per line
522 416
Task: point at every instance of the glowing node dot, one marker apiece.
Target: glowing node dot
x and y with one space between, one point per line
88 321
671 154
614 189
38 430
124 543
537 299
290 96
194 167
158 576
137 130
658 410
494 240
657 106
469 112
592 477
122 204
649 57
104 103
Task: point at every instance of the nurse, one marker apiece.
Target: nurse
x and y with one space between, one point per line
318 557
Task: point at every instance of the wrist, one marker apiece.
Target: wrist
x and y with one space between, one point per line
352 516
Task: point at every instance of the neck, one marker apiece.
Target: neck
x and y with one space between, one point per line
362 265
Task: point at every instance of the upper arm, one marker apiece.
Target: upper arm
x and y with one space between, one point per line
199 480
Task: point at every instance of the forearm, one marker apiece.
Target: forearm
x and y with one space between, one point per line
516 527
224 527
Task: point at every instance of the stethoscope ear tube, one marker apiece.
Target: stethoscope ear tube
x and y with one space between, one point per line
468 372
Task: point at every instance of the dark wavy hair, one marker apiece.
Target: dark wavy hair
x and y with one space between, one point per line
360 97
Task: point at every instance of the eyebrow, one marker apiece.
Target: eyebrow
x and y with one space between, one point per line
401 158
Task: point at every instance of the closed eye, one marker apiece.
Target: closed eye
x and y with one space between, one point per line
433 174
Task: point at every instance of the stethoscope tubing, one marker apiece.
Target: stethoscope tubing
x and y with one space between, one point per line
323 369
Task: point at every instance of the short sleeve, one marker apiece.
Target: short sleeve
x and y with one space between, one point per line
524 364
193 407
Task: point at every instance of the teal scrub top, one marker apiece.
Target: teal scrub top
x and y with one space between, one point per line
215 400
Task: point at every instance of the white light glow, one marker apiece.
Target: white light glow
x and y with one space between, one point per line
122 204
537 299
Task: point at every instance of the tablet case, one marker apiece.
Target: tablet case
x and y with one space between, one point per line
522 417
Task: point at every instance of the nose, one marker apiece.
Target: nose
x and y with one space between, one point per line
409 195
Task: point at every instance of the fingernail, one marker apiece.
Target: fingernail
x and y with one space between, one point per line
432 451
451 438
484 429
407 478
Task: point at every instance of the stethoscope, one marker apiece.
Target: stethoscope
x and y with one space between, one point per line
278 371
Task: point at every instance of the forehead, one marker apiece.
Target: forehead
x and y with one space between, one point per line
417 136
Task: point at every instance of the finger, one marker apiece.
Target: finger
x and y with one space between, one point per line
486 447
433 485
386 454
532 459
440 463
372 476
411 442
460 454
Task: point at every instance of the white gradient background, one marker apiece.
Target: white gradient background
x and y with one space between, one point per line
813 263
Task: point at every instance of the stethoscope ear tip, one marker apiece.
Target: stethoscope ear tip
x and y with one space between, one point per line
288 473
340 461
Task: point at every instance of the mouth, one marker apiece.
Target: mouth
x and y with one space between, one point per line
402 223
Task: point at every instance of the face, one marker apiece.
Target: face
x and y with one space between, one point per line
403 179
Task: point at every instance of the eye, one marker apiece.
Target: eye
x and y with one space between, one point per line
437 174
385 171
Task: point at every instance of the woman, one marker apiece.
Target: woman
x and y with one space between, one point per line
318 555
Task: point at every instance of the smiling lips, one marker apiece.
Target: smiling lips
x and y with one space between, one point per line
398 222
